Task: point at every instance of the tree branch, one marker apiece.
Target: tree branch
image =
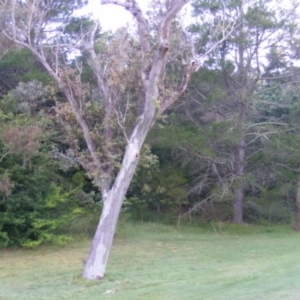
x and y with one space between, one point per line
4 155
133 7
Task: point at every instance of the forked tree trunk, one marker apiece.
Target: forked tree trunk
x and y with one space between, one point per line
112 200
297 216
239 189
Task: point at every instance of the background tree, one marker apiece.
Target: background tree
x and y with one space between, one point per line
239 69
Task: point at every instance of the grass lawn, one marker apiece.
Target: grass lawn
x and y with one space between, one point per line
152 261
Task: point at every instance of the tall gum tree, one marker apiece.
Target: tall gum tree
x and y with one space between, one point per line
40 26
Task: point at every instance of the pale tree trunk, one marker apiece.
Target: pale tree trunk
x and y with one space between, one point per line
96 262
112 200
297 216
239 188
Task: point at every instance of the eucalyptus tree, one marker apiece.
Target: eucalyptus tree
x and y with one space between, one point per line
130 91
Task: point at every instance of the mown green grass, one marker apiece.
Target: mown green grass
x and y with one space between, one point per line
151 261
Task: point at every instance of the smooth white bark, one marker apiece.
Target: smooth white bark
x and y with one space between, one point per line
96 262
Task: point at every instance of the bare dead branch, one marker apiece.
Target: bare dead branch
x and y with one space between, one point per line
265 123
4 155
143 31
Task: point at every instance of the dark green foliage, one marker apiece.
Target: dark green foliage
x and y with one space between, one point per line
20 66
76 26
36 206
158 186
37 199
39 202
270 207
